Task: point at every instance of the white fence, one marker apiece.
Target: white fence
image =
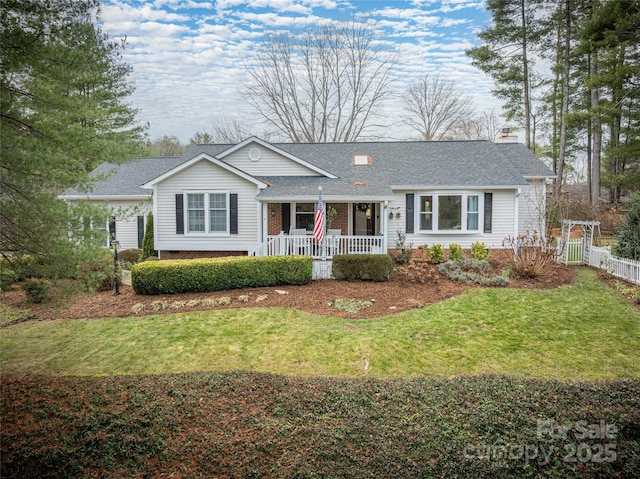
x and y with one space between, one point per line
572 251
624 268
627 269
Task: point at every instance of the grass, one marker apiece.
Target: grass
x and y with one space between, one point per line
584 331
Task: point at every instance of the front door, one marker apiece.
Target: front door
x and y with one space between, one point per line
364 219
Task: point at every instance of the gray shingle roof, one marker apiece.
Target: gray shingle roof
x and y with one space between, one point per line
437 163
125 179
394 164
282 187
525 160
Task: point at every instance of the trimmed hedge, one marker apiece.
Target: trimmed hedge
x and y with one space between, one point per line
360 267
219 274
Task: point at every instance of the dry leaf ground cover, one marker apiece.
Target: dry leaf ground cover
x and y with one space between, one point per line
243 424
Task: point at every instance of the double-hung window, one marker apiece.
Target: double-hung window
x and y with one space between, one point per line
449 212
207 213
473 212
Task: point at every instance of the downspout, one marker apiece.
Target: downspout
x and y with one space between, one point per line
517 212
383 225
154 208
262 221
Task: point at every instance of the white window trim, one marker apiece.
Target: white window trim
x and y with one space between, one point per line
435 195
207 216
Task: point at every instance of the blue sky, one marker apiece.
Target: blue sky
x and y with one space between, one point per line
188 56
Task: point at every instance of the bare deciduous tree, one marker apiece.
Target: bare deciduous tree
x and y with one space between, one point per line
323 86
436 107
485 126
228 131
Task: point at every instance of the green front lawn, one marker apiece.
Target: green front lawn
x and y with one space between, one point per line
584 331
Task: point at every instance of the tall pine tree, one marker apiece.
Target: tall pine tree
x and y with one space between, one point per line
63 92
506 56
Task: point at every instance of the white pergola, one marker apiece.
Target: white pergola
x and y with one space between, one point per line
588 228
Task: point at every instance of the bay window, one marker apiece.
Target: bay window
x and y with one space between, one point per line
449 212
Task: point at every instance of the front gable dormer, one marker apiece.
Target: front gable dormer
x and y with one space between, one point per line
259 158
203 157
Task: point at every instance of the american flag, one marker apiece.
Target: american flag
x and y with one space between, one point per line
318 226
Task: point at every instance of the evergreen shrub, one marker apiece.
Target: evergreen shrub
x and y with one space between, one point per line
362 267
219 274
455 252
480 251
37 290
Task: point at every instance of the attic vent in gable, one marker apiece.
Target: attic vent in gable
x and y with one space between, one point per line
361 160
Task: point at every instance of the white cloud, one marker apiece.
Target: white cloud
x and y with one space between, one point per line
121 12
292 6
188 56
279 21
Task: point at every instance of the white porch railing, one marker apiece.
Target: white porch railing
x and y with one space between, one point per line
330 246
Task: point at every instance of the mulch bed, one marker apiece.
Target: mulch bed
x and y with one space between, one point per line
393 296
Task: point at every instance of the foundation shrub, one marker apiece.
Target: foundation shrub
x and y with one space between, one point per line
434 253
455 252
148 240
218 274
480 251
362 267
130 255
405 252
471 271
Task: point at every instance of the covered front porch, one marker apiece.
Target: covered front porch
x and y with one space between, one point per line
350 228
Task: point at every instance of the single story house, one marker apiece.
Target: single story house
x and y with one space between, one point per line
260 198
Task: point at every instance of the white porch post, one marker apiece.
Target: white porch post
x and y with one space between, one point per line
384 224
263 228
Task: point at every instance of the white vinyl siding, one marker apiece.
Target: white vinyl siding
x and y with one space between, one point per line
531 214
269 164
206 177
126 212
